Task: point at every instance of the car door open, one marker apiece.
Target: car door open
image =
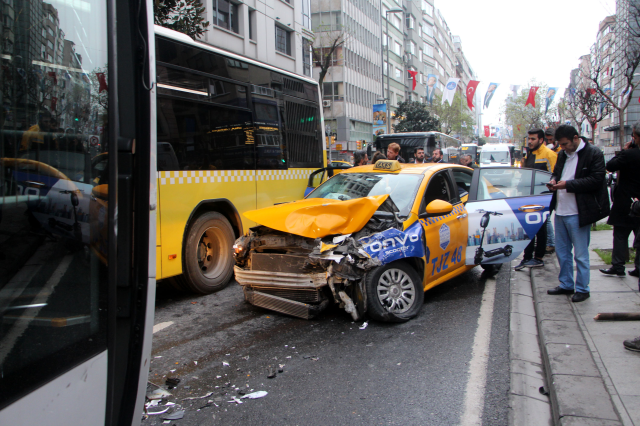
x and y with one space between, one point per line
507 207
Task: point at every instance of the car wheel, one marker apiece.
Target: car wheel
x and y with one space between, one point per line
208 254
394 292
491 268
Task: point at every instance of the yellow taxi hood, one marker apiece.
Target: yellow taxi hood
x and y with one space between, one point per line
318 217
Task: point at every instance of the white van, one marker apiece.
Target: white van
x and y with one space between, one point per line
495 155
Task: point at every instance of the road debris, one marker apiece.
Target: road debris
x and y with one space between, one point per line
208 394
172 382
281 368
255 395
271 372
158 394
364 325
225 364
175 416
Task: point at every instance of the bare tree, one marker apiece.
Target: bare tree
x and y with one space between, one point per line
328 47
623 58
588 105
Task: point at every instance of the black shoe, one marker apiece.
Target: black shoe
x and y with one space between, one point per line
632 344
559 290
613 273
580 297
635 273
520 265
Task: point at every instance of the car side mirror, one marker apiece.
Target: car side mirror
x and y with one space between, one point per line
437 208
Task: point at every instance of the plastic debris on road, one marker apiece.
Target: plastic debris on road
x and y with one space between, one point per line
364 325
208 394
158 394
175 416
225 364
255 395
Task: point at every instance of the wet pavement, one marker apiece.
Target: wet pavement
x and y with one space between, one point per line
333 372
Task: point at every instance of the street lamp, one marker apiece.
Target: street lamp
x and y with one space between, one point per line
386 18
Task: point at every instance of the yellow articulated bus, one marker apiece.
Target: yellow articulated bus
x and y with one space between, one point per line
233 135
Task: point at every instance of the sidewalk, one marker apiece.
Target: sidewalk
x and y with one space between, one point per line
591 378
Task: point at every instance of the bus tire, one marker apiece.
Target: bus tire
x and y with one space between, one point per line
208 254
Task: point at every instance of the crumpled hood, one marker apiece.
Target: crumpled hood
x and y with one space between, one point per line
318 217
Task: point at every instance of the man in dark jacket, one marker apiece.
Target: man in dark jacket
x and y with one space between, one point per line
627 164
634 344
580 198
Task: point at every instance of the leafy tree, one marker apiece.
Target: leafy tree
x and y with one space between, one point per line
524 118
454 118
185 16
413 116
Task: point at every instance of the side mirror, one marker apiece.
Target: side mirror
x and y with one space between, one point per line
437 208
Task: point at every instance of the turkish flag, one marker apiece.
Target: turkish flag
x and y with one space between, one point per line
54 102
591 92
487 131
518 127
532 96
412 75
52 74
471 91
102 80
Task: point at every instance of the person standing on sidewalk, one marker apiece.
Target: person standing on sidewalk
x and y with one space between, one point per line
634 344
627 164
580 198
552 144
542 158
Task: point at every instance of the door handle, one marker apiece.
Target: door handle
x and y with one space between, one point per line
462 216
531 208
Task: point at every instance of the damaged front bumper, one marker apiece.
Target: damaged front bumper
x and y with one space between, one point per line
300 276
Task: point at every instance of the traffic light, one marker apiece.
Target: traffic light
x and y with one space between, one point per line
333 139
358 144
364 144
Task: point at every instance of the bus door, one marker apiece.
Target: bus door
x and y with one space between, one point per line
76 293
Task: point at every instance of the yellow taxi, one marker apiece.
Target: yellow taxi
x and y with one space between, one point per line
374 238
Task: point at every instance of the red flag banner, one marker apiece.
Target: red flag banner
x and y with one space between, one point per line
412 75
532 96
471 92
487 131
518 127
54 102
52 74
591 92
102 80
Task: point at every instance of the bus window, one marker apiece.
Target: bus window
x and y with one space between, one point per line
206 137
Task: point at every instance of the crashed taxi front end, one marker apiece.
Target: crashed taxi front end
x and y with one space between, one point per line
307 254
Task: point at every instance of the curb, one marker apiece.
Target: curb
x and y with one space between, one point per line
577 391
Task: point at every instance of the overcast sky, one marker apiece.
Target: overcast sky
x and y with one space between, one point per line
511 42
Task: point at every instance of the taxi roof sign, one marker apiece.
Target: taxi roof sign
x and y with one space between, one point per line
387 165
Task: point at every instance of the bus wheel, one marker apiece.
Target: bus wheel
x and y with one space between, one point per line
208 255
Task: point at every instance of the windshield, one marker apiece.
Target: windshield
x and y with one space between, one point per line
346 186
494 157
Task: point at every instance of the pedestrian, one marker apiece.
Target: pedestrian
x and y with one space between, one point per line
360 158
550 137
467 160
541 158
580 198
634 344
393 152
627 164
436 156
419 156
378 156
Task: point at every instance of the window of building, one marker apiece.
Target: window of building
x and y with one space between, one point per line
306 14
397 21
283 40
306 57
326 21
44 32
427 8
428 50
49 58
412 47
399 99
385 68
398 74
252 24
427 30
51 32
333 91
50 16
411 21
385 39
49 44
225 15
398 49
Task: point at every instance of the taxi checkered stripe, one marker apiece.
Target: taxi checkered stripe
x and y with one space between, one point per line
459 209
180 177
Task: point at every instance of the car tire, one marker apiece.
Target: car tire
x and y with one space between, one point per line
208 254
397 284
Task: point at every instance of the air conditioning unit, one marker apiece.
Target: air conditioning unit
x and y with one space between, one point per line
326 104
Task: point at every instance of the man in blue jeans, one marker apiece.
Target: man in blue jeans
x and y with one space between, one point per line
580 198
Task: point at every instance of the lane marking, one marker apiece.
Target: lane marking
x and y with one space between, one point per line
474 393
9 340
161 326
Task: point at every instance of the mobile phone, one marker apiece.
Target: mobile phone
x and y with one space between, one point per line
549 184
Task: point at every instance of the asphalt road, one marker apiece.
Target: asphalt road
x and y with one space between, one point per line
333 372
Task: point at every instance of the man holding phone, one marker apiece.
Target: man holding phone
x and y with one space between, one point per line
542 158
580 198
627 164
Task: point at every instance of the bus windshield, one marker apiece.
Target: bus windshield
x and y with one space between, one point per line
346 186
